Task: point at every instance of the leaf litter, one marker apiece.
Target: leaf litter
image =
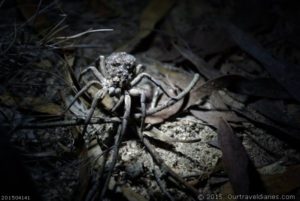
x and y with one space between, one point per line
254 92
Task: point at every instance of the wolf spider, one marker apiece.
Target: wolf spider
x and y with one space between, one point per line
117 76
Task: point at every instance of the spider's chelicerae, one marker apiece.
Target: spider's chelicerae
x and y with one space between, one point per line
117 76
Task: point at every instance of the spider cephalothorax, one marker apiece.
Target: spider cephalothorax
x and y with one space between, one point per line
120 68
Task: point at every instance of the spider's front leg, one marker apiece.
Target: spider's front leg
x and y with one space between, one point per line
120 134
94 71
85 88
99 96
102 65
141 93
156 82
172 101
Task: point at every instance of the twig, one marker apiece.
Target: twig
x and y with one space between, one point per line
37 11
82 33
12 42
66 38
53 34
53 30
73 46
75 122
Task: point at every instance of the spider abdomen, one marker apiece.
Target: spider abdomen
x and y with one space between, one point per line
120 69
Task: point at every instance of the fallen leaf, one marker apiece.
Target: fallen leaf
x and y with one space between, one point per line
36 104
202 90
284 182
40 21
278 184
262 87
212 116
103 8
288 75
173 76
161 116
132 195
152 14
242 174
288 134
275 110
203 68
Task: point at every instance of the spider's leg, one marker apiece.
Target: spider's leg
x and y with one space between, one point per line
121 131
102 65
141 93
138 69
138 78
160 183
157 94
120 101
86 87
99 96
95 72
164 167
177 98
143 107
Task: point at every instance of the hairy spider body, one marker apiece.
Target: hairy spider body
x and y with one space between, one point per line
120 69
118 76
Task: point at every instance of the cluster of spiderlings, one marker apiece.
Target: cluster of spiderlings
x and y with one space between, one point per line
120 69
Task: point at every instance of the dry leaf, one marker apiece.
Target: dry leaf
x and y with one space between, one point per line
36 104
152 14
287 75
263 87
132 195
275 110
278 184
212 116
242 174
173 76
203 68
40 22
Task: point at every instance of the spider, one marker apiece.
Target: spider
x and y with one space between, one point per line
118 76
